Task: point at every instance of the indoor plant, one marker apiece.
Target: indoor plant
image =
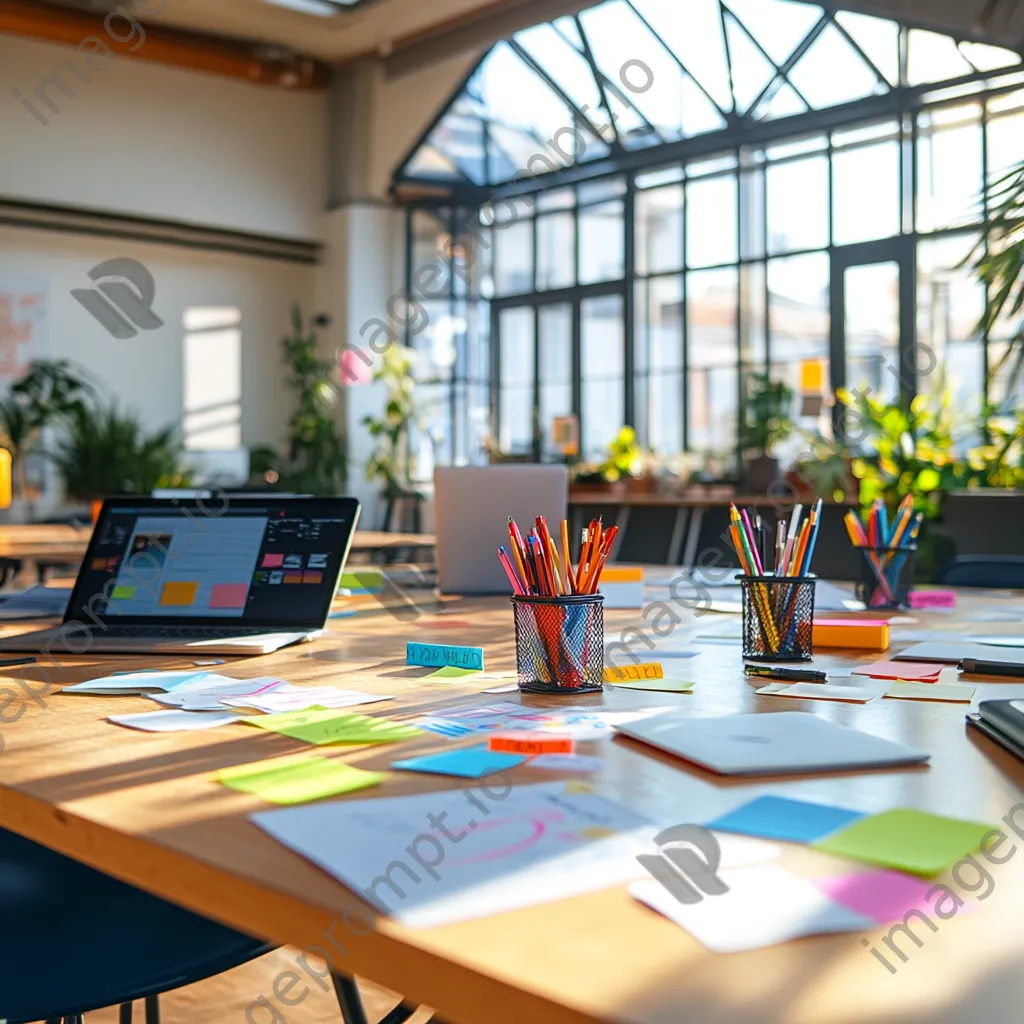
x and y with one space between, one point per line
391 462
765 423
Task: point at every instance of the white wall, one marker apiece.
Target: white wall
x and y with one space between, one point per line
162 142
146 372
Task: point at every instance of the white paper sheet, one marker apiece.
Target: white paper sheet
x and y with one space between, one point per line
176 721
288 697
826 691
765 905
209 693
136 683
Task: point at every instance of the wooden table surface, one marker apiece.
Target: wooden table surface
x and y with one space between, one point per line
143 808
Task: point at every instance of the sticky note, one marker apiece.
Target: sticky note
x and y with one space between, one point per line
907 840
272 561
661 685
922 671
326 725
932 691
295 780
439 655
179 594
651 670
794 821
530 743
470 763
451 672
567 763
825 691
881 895
122 593
933 599
229 595
365 579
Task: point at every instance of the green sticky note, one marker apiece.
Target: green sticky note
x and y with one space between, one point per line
322 725
295 780
907 840
451 672
661 685
122 593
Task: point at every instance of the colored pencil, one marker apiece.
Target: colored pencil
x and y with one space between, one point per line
570 582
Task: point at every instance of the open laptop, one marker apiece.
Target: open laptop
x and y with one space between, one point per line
472 508
235 576
780 742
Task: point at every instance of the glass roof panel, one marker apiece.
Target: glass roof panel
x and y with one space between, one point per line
988 58
878 38
693 31
428 163
934 58
567 26
778 25
566 66
751 70
461 139
833 72
700 115
781 103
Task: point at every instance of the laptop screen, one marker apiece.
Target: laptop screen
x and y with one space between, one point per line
223 561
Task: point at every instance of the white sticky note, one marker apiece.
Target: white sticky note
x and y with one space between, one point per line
825 691
765 905
932 691
566 763
506 688
176 721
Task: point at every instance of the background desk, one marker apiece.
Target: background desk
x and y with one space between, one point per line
142 807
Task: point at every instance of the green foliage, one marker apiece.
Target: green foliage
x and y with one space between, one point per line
391 462
105 452
315 462
766 421
625 457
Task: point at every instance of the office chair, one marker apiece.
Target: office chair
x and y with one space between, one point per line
1005 572
78 940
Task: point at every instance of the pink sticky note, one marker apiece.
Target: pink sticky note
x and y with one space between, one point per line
273 561
912 671
881 895
933 599
229 595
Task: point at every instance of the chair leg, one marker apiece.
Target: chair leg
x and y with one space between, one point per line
124 1015
152 1010
349 1000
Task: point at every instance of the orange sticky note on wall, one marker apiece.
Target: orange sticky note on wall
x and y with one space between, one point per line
633 673
530 743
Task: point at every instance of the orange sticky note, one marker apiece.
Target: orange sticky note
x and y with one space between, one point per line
530 743
179 595
633 673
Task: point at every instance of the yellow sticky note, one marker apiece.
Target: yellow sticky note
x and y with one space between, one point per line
652 670
661 685
453 672
932 691
574 788
321 725
296 780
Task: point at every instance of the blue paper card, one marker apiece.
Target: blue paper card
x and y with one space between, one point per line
439 655
774 817
471 763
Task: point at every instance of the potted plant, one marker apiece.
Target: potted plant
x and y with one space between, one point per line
764 424
392 462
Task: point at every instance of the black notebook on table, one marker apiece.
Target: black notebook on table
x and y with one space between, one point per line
1002 721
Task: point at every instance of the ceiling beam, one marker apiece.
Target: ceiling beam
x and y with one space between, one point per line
253 62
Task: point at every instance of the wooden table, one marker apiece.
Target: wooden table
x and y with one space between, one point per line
142 807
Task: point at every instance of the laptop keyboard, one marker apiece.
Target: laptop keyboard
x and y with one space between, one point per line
180 632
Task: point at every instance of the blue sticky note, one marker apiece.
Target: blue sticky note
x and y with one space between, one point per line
471 763
793 821
439 655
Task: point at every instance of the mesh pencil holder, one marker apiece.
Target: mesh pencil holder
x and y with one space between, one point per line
778 617
886 576
560 643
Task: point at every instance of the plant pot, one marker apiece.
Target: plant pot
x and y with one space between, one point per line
590 485
647 484
760 474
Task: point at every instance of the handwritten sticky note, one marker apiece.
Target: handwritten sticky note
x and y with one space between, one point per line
793 821
921 671
531 743
825 691
661 685
295 780
440 655
652 670
470 763
907 840
933 599
326 725
953 694
451 672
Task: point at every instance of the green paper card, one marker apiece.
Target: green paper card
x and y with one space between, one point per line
296 780
907 840
661 685
451 672
321 725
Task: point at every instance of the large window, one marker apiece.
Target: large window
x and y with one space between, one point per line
758 185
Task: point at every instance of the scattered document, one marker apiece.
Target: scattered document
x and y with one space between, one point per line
35 603
765 905
296 780
504 688
176 721
470 763
142 683
210 693
658 685
288 697
327 725
566 763
524 846
907 840
954 694
793 821
822 691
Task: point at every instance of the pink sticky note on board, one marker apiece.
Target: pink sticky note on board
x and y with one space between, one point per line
229 595
933 599
273 561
